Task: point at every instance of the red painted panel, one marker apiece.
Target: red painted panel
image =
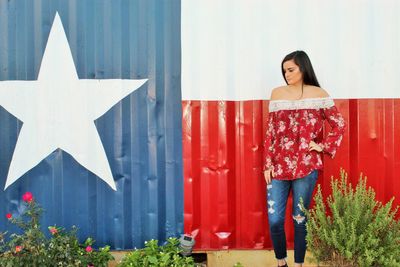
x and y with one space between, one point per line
222 150
210 172
251 185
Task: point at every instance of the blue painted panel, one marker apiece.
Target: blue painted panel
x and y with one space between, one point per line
141 134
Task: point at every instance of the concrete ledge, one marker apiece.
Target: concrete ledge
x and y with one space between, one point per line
228 258
118 255
248 258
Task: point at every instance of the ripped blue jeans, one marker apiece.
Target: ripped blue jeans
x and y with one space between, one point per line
277 195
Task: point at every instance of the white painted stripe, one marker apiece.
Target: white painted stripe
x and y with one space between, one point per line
232 49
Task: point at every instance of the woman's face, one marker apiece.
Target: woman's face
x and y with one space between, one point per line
292 72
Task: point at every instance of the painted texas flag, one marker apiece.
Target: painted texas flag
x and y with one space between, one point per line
147 118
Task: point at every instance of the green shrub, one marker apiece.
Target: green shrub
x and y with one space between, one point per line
154 255
32 248
358 230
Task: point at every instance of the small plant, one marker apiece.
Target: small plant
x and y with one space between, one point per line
238 264
154 255
32 248
358 230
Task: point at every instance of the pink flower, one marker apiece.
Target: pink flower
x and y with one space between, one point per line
18 248
27 197
53 230
89 249
8 216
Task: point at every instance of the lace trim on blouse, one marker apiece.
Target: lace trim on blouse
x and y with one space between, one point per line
306 103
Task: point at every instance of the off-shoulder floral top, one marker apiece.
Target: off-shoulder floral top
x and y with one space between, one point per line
292 124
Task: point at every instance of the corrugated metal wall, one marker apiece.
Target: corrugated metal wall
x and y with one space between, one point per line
225 199
141 134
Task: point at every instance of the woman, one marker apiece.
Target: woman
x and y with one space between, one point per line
293 148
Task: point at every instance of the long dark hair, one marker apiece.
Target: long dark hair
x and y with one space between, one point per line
303 61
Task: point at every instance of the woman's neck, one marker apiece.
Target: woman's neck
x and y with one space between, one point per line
296 87
296 90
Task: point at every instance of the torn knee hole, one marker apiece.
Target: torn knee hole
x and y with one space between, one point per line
271 206
299 219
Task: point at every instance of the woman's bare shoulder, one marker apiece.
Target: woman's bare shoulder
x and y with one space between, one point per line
315 91
278 92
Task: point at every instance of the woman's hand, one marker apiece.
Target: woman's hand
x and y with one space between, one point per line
268 174
314 146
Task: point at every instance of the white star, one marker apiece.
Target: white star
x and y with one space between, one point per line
58 111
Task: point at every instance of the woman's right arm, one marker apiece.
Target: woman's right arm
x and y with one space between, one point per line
268 169
268 147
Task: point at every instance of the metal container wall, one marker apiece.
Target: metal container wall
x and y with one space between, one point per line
224 191
141 134
225 198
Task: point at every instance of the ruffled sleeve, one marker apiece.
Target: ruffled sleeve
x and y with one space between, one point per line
269 142
334 138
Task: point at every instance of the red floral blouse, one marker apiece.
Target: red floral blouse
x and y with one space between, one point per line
292 124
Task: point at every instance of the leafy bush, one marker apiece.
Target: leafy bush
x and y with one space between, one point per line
32 248
359 231
154 255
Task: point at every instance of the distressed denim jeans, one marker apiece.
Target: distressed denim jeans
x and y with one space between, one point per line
277 195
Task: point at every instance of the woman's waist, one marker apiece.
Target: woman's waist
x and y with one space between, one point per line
287 174
295 156
294 151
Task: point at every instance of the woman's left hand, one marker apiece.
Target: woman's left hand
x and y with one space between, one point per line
314 146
